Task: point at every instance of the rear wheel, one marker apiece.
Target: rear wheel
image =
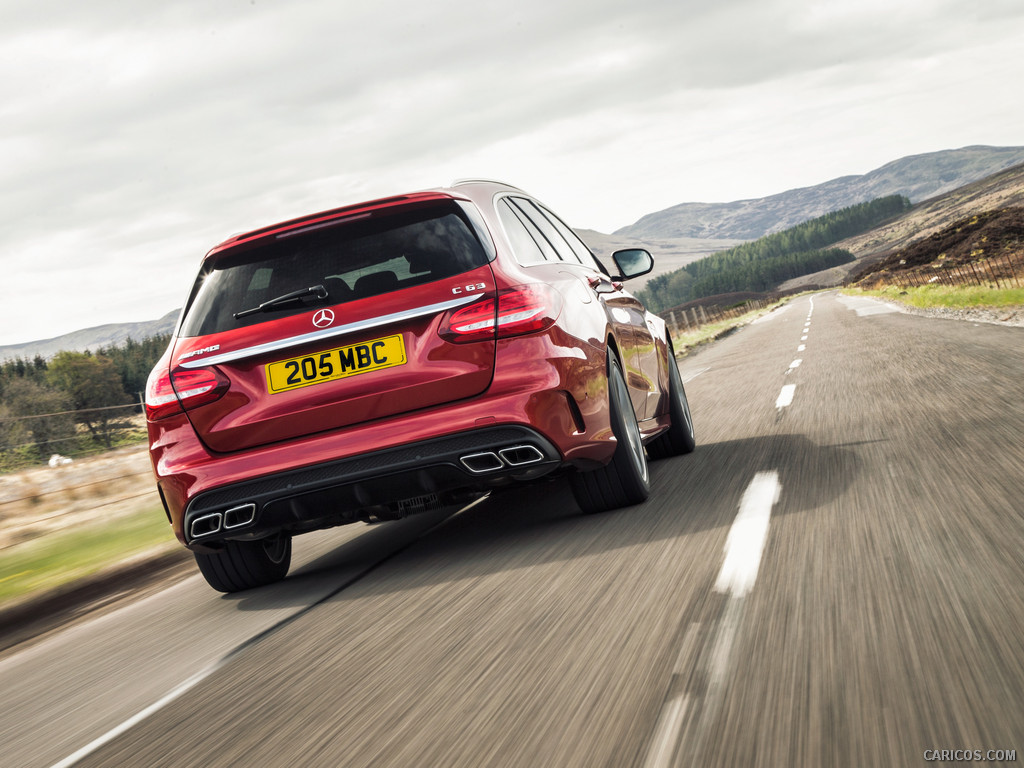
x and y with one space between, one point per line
679 437
247 564
624 480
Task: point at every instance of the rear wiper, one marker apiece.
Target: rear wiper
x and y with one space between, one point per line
314 290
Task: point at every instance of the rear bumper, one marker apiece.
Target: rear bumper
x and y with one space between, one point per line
386 484
544 387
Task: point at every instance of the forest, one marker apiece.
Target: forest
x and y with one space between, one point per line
762 264
75 403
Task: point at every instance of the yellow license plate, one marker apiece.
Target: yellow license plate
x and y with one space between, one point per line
335 364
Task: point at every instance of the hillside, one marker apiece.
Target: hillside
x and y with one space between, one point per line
918 177
995 236
1002 190
91 338
669 255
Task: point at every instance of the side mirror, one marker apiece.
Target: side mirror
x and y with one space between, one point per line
633 262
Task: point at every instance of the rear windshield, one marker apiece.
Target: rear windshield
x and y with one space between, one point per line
383 252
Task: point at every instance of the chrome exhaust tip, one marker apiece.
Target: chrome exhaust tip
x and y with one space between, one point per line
518 455
479 463
205 525
236 517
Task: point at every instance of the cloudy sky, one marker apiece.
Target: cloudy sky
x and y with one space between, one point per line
135 135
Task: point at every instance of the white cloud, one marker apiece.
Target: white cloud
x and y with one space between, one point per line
136 137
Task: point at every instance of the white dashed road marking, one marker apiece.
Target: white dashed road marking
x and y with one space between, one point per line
801 348
745 542
666 733
744 546
786 396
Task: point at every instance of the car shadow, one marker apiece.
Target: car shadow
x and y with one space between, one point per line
540 524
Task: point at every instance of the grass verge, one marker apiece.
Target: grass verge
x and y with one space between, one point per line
686 341
947 296
58 558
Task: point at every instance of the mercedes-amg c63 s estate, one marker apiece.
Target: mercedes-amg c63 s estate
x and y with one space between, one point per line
386 358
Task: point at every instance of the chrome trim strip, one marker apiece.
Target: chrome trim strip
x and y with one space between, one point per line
327 333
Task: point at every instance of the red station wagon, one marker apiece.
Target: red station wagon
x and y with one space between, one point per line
387 358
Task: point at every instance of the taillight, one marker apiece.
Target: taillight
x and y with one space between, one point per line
168 393
161 401
518 310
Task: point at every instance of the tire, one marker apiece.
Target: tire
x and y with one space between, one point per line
247 564
625 480
679 438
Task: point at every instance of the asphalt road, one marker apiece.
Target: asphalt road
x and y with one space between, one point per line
834 577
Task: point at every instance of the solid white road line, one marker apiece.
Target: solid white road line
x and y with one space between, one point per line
112 734
694 374
785 396
745 542
182 689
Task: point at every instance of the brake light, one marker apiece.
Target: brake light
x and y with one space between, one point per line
516 311
169 393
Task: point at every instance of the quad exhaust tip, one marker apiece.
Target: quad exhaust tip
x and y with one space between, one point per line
479 463
518 455
513 456
205 525
215 522
236 517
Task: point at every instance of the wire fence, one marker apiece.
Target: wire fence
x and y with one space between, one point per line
29 439
682 320
1002 272
41 500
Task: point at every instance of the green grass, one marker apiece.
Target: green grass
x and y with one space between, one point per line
950 297
64 556
685 341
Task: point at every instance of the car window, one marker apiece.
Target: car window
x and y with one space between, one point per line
553 236
579 248
528 244
387 251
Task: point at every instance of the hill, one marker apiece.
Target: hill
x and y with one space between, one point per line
683 234
91 338
1001 190
986 245
918 177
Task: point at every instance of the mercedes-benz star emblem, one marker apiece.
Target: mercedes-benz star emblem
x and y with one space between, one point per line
323 318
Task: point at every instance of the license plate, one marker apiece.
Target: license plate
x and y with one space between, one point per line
335 364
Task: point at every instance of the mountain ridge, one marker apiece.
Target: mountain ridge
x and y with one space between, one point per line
918 177
96 337
928 177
